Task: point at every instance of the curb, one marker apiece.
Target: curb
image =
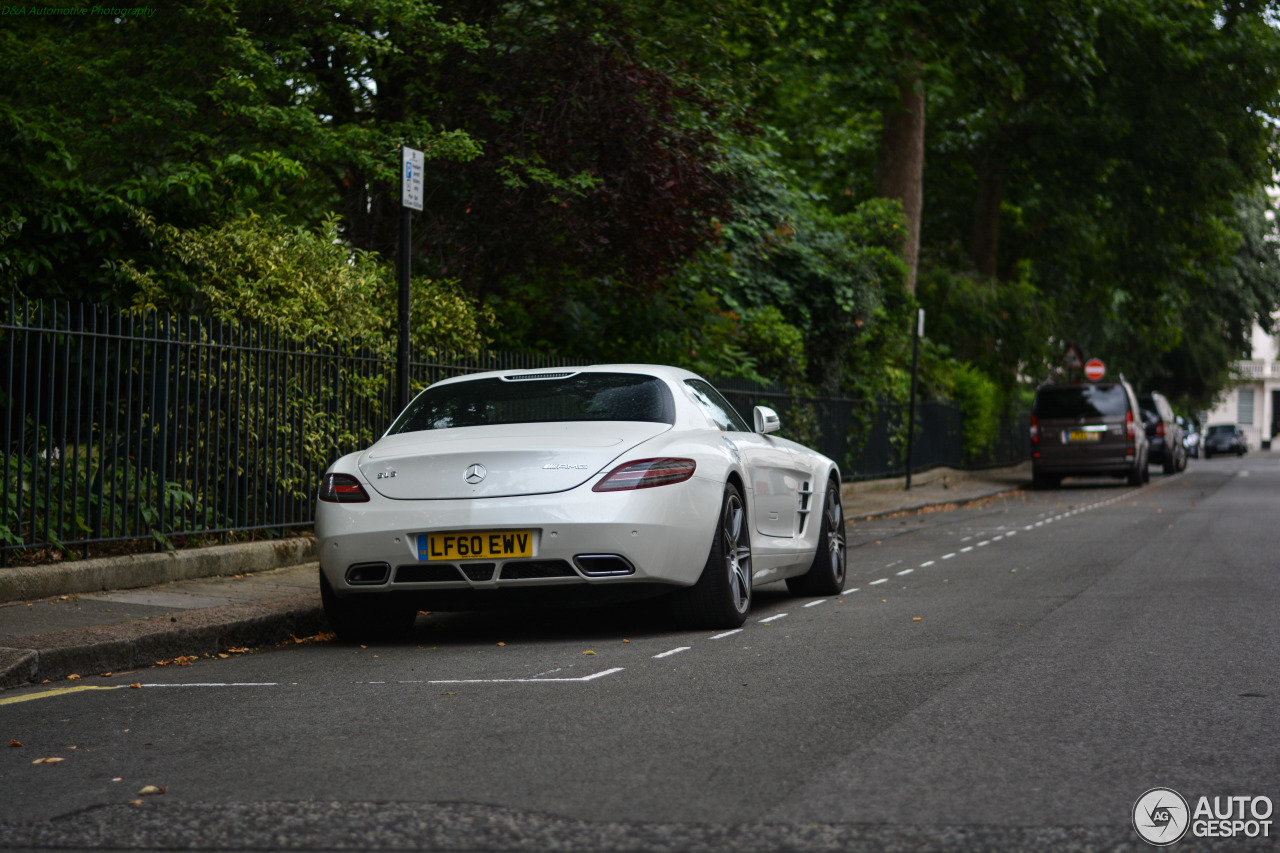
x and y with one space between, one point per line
27 583
958 501
133 645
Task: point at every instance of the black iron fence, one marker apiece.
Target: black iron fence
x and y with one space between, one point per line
127 425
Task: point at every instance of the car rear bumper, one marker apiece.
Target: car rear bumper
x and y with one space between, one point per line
658 536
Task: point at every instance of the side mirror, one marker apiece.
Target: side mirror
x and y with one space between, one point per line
766 420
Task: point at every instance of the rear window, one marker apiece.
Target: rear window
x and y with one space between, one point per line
1222 430
578 397
1081 401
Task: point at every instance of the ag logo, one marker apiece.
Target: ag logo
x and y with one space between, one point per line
1161 816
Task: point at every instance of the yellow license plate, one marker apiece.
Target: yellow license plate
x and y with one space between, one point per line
1082 435
478 545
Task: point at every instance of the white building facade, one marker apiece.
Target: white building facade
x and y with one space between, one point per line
1252 400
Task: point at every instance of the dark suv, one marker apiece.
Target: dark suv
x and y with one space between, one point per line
1087 428
1164 433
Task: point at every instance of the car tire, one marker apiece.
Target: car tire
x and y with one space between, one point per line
1208 455
1138 473
722 596
1170 464
358 621
827 572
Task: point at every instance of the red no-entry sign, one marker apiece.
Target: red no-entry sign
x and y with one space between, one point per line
1094 369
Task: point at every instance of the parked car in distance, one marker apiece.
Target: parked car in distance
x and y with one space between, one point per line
1190 436
1164 433
1224 438
1084 429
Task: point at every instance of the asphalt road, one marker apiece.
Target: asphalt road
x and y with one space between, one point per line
1008 675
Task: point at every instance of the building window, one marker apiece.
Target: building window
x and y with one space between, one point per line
1244 407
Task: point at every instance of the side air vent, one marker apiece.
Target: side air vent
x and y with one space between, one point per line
806 501
604 565
527 377
532 569
427 573
368 574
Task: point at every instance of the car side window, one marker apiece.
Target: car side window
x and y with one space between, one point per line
716 407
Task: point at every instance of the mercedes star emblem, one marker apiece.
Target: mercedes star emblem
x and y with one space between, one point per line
475 474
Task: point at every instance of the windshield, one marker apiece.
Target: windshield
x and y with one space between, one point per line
522 400
1081 401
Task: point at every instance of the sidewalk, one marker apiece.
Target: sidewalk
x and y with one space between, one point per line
92 618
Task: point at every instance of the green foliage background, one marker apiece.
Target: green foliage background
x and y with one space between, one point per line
685 182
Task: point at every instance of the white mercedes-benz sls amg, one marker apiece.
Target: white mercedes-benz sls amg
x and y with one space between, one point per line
556 486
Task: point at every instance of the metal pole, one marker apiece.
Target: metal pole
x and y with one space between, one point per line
402 349
915 374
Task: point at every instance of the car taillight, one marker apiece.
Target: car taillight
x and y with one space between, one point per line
646 474
1160 430
1035 430
342 489
1129 427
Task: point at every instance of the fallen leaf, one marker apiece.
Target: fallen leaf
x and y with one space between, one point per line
105 674
148 790
15 743
238 650
135 802
118 779
134 686
626 641
48 760
502 644
73 677
223 656
589 652
916 618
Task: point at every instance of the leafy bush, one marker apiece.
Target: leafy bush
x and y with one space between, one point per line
306 283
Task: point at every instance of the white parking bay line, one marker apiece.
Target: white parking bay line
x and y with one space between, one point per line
948 556
847 591
926 564
771 618
727 634
673 652
905 572
966 550
816 603
580 679
882 580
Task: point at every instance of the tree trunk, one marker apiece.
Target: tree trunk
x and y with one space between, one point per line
901 167
984 240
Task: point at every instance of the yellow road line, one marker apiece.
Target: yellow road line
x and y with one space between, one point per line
60 691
